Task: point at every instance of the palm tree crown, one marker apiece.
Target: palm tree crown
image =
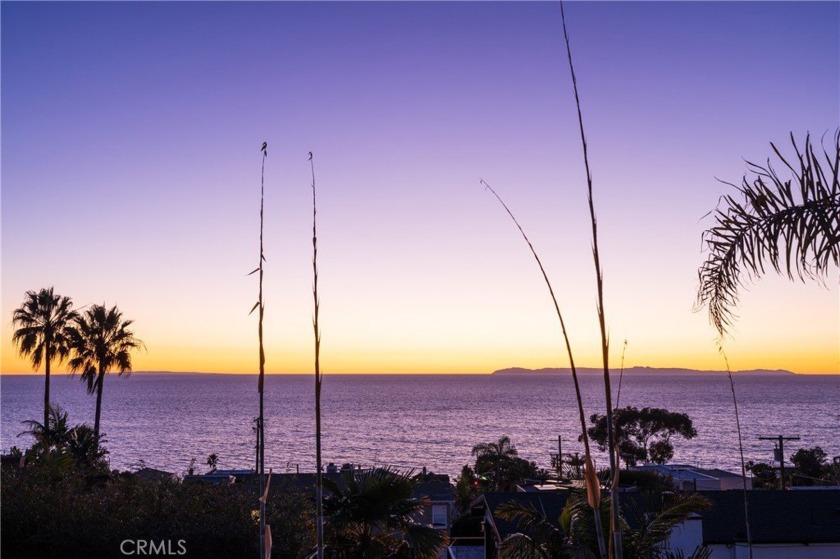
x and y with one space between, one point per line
791 225
373 514
41 332
101 342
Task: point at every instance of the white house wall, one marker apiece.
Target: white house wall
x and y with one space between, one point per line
781 551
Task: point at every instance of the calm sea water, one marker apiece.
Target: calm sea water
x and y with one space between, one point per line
413 421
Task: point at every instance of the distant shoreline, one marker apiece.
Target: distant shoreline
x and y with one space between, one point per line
508 372
639 371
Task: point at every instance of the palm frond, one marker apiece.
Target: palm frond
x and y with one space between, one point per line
521 546
537 536
791 226
700 552
424 542
656 520
41 323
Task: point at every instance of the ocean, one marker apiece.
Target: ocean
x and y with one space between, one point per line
163 420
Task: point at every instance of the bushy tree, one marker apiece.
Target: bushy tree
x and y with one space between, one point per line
59 448
499 467
763 475
642 435
71 518
466 488
812 467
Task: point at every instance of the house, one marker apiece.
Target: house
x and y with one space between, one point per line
784 524
550 485
438 512
437 489
151 474
497 529
217 477
441 509
691 478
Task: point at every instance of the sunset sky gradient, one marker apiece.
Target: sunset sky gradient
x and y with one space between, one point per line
131 168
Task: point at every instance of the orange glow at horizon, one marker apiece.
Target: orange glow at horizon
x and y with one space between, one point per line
236 360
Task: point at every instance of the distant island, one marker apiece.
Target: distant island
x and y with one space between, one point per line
635 371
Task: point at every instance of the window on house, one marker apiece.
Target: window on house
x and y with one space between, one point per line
439 515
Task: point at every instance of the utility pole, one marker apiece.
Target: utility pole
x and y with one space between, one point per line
557 459
780 449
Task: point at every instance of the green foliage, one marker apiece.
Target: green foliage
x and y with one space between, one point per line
811 465
699 552
72 518
653 528
537 538
643 435
763 475
645 481
573 534
467 488
498 466
372 514
58 449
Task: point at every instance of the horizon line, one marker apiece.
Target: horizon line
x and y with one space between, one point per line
523 371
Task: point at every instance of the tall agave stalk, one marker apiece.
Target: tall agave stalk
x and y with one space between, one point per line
260 384
615 532
620 379
593 485
740 449
319 481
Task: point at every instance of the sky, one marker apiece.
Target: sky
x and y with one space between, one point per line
131 176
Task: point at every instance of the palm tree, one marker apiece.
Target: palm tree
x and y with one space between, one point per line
101 342
57 442
41 323
494 456
793 225
372 514
53 433
653 527
573 534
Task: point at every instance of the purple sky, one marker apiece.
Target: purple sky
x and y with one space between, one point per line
130 175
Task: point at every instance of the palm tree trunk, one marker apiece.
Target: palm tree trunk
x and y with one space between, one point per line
47 386
99 383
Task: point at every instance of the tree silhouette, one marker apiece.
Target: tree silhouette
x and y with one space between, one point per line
500 461
792 226
372 514
643 435
573 534
101 342
41 323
